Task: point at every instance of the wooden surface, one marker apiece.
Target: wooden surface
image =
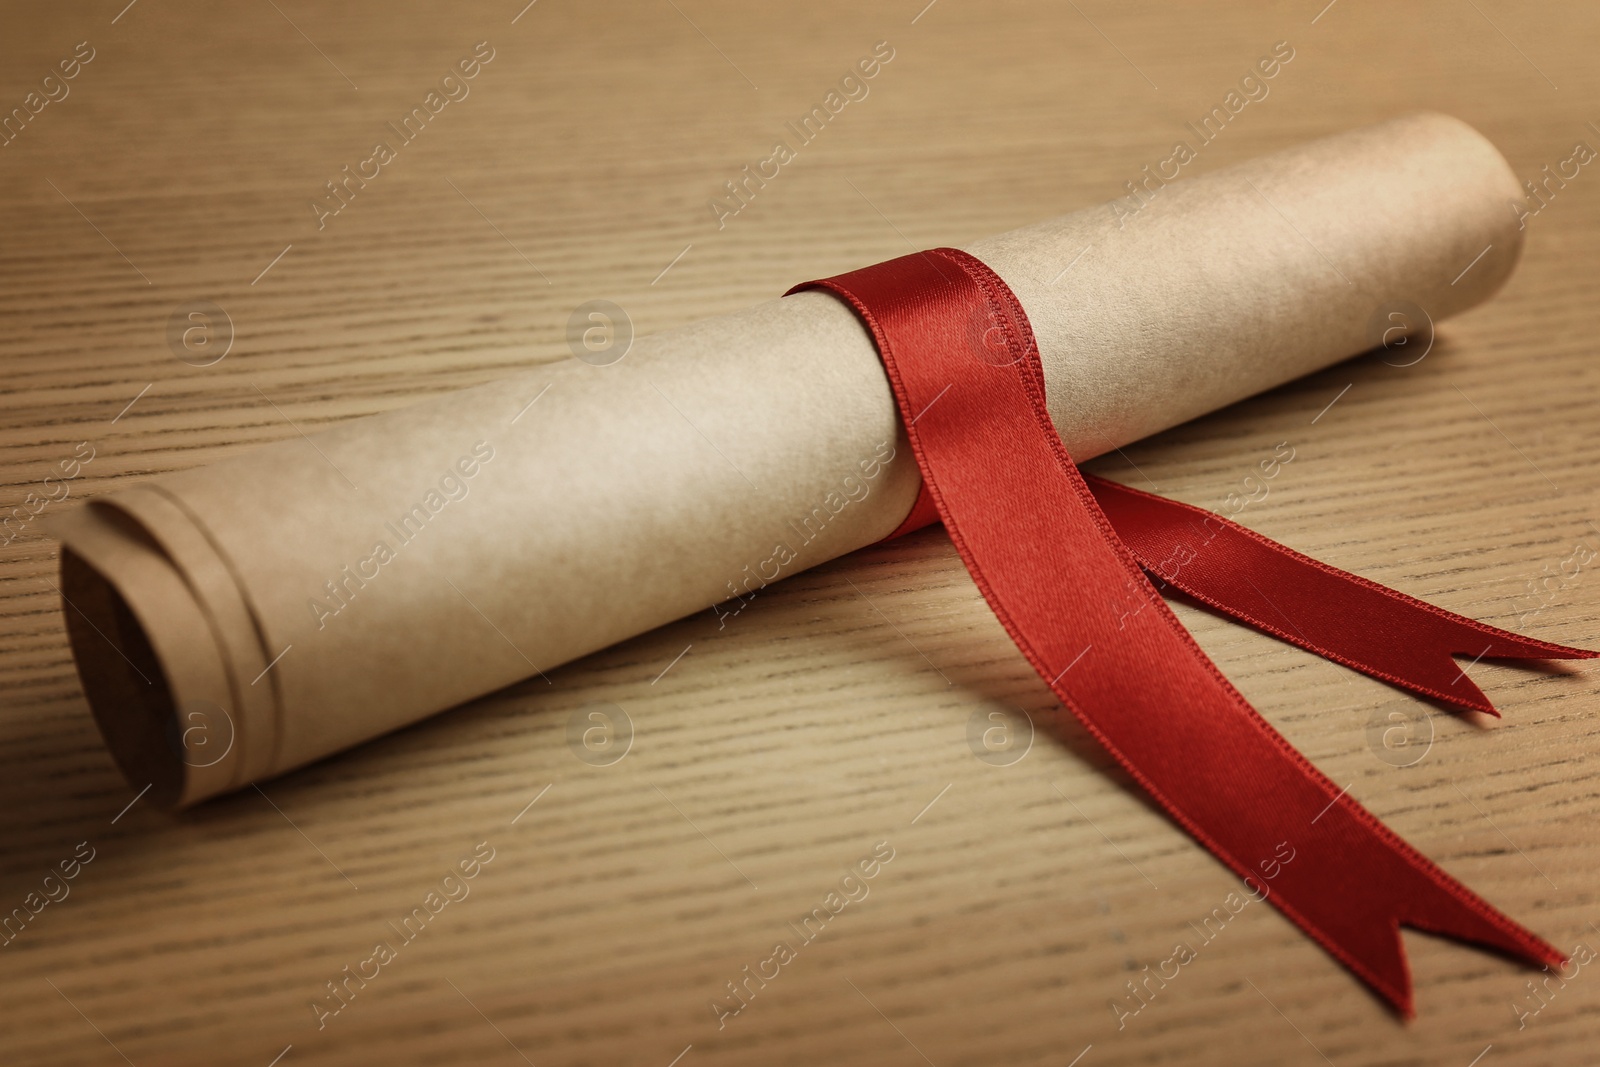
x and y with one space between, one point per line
834 713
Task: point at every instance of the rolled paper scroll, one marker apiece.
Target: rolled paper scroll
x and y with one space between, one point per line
235 621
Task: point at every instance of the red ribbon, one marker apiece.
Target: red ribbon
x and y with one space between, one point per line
1061 560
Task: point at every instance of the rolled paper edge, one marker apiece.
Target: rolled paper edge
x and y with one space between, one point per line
119 588
251 703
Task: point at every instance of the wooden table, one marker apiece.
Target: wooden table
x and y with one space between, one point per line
776 750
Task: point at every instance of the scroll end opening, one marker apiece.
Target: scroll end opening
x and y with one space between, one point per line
122 678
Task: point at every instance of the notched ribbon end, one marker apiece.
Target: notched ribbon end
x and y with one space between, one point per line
1469 920
1389 974
1463 692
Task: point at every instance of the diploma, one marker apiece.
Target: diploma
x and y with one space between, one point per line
237 620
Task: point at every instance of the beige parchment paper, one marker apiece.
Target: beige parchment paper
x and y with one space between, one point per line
237 620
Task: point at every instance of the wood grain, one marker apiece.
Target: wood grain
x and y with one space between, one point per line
833 713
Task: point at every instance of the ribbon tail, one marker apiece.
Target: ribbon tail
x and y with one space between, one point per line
1338 615
1380 884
